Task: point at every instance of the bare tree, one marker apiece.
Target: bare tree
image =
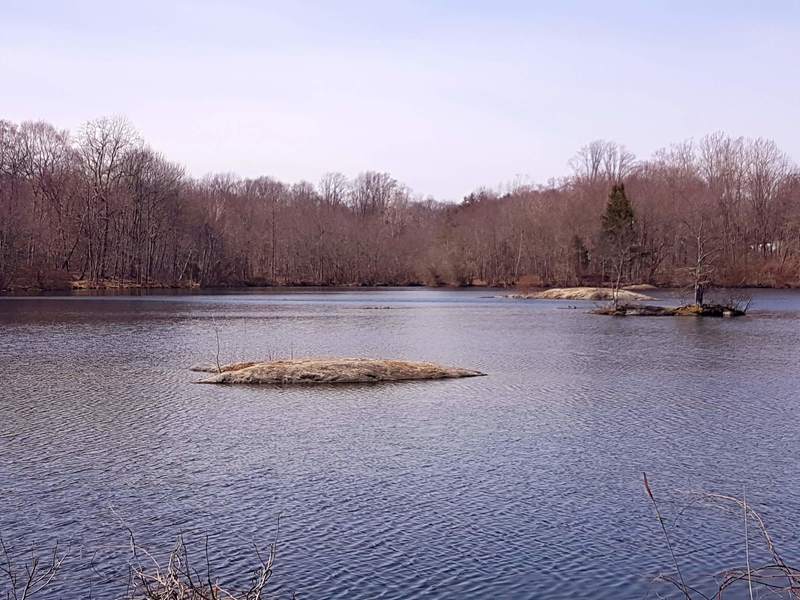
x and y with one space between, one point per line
702 269
603 159
333 188
103 147
768 170
372 192
588 161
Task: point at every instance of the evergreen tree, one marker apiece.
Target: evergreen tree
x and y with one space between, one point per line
619 220
618 233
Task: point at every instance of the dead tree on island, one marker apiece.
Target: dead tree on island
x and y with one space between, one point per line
705 252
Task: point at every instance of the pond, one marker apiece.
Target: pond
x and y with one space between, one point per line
526 483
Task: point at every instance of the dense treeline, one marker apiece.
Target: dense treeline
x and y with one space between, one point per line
101 207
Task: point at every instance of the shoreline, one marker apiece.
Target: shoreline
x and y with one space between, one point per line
79 288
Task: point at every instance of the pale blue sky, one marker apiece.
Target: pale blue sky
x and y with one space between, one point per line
446 96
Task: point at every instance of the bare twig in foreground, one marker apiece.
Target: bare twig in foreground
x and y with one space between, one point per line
179 580
775 577
23 582
683 586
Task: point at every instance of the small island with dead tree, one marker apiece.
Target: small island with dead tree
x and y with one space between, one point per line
688 310
619 239
619 234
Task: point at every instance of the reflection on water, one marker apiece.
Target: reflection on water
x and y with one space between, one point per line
526 483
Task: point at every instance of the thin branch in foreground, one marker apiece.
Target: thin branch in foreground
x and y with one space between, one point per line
747 545
216 333
33 576
683 585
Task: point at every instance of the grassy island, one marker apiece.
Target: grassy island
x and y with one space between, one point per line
330 370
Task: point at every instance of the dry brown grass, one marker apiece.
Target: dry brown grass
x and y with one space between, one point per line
331 370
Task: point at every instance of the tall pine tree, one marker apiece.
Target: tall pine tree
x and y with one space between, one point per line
619 220
618 234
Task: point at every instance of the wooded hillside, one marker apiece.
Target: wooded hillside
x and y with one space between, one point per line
100 206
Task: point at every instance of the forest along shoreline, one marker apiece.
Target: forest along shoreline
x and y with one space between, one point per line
513 292
99 209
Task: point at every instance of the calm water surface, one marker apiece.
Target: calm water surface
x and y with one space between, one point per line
523 484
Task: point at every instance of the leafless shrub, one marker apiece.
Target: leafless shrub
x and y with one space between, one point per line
774 576
179 579
733 299
740 302
24 579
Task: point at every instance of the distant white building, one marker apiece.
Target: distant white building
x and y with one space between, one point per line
767 247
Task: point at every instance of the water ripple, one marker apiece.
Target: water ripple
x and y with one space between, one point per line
523 484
